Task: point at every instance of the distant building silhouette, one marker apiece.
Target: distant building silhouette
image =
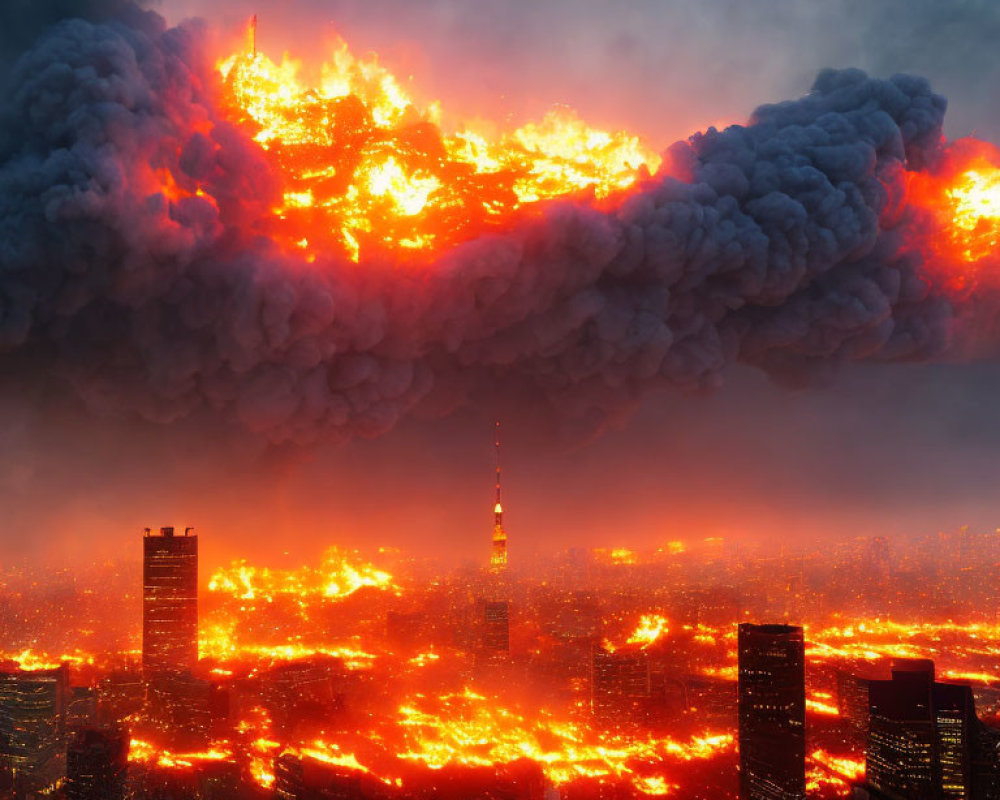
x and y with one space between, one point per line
925 741
771 705
496 627
619 683
169 601
97 763
852 702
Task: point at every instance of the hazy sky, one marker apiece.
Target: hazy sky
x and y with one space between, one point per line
884 450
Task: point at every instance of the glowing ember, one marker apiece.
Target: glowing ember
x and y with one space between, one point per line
365 170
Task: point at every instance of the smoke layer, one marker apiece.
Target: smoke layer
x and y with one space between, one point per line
784 243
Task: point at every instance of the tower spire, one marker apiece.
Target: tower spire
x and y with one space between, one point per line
498 558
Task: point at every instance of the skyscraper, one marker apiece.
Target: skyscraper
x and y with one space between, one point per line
619 683
496 627
772 710
33 707
169 601
498 558
96 764
925 741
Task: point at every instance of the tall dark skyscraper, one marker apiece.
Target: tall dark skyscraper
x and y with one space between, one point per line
495 621
33 707
619 683
772 712
925 741
96 764
169 601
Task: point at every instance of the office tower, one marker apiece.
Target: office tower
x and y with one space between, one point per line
169 601
97 763
771 705
33 708
82 709
619 683
925 741
498 558
186 706
496 627
852 702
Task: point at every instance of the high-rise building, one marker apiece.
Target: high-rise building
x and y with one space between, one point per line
169 601
925 741
772 712
96 764
852 702
496 627
33 706
498 557
619 683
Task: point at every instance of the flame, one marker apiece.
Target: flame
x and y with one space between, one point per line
143 751
336 578
651 627
819 707
836 772
974 677
365 169
31 661
468 728
654 785
962 197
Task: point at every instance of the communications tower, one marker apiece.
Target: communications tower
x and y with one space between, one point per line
498 557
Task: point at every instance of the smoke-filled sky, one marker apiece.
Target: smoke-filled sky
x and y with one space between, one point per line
886 448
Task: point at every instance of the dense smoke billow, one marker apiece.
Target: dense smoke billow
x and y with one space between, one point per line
784 244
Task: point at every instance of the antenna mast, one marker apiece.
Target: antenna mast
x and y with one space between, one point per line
498 559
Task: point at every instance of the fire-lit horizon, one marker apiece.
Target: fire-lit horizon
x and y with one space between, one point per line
432 713
450 401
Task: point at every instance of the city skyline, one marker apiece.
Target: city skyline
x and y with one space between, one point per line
523 401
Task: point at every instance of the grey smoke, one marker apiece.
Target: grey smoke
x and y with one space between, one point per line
779 244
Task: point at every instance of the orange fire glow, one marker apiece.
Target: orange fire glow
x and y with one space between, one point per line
651 627
832 772
335 578
366 170
32 661
963 196
468 728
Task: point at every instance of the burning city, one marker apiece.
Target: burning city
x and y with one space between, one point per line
223 270
590 673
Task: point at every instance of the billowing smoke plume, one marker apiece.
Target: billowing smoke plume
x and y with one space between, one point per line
781 244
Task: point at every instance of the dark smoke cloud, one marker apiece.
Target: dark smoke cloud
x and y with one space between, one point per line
781 244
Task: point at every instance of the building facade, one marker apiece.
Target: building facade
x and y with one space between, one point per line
169 601
97 764
33 706
925 741
771 707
